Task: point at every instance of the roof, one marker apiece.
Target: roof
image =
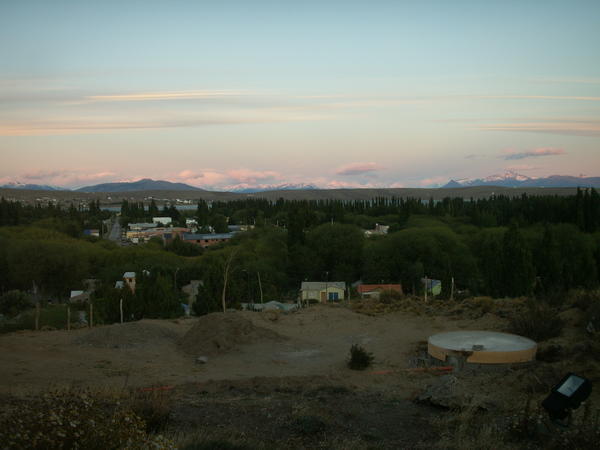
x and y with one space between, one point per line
320 285
207 236
162 219
362 288
119 284
129 275
141 225
76 293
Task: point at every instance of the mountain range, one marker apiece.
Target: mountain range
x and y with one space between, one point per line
508 179
513 179
145 184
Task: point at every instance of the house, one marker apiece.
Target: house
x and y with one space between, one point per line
129 279
162 221
378 231
140 226
323 291
79 297
434 287
375 290
206 240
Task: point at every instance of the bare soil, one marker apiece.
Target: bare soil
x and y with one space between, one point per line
280 380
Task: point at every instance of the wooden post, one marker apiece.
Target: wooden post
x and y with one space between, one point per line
91 323
121 309
68 317
452 290
260 287
37 316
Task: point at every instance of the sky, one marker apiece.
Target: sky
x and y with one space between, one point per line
232 94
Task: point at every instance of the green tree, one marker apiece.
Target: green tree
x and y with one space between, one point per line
518 269
13 302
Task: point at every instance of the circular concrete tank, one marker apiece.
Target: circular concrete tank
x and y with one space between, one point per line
482 347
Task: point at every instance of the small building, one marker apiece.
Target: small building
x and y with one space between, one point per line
192 224
323 291
79 297
162 221
129 279
140 226
434 287
206 240
375 290
378 230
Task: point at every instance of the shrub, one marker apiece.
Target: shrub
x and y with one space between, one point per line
309 425
73 419
389 296
13 302
359 359
153 407
538 322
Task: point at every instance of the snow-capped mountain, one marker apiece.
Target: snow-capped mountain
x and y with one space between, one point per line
33 187
248 189
514 179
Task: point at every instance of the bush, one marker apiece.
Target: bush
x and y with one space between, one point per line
73 419
538 322
359 359
389 296
309 425
13 302
153 407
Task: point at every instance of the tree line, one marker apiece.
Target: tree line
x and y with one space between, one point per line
498 246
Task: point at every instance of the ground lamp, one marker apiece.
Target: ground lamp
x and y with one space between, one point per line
566 396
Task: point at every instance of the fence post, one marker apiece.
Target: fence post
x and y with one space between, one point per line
68 317
121 309
37 316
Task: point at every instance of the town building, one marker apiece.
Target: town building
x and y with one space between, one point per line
323 291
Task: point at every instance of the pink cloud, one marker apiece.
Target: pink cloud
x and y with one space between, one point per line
358 168
63 178
510 154
433 181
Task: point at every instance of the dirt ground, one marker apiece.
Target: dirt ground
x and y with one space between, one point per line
270 380
313 342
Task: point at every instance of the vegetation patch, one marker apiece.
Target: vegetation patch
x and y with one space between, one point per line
74 419
359 358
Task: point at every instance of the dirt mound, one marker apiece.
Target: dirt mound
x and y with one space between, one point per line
126 335
218 333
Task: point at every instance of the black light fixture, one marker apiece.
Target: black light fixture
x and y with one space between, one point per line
566 396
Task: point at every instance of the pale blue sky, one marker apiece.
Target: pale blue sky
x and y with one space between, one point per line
221 94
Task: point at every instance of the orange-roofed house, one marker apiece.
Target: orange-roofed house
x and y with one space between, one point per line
375 290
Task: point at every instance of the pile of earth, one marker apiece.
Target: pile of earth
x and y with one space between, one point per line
125 335
219 333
